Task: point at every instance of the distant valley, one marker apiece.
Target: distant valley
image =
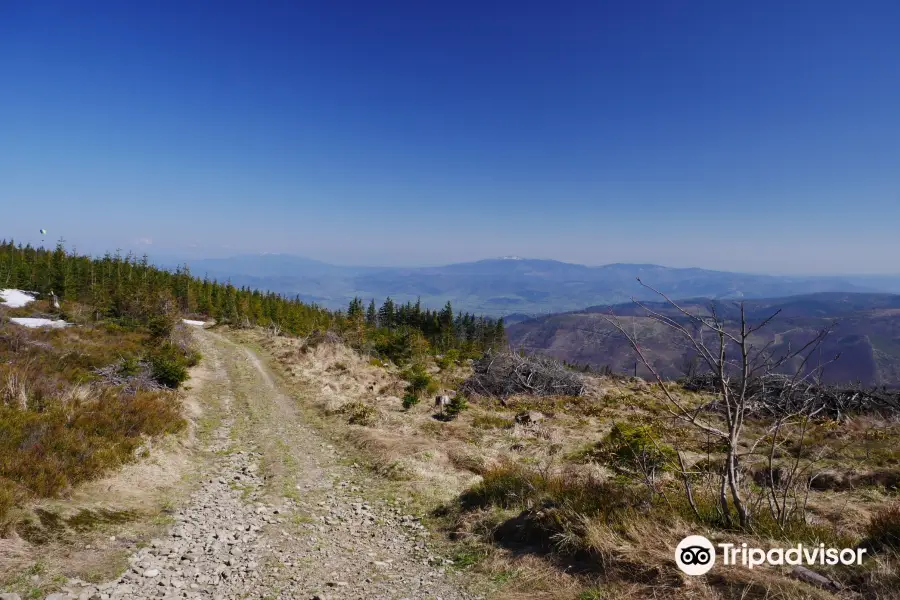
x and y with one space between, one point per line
520 288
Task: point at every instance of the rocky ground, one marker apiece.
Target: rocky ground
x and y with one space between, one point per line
276 515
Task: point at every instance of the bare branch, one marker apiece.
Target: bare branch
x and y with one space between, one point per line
683 413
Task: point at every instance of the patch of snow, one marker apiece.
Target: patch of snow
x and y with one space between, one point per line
34 322
16 298
194 323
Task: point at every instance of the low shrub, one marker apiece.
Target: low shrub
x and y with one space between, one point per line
169 365
450 358
161 326
359 413
129 366
634 450
419 380
46 452
193 358
410 400
458 403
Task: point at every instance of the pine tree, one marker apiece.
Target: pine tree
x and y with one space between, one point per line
386 314
372 315
445 326
499 337
355 311
417 313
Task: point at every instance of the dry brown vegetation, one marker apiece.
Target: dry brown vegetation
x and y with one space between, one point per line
61 422
585 502
89 529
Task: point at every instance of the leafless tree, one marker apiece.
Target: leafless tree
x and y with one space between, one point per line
690 365
738 371
274 329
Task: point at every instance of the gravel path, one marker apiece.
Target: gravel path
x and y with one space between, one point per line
276 515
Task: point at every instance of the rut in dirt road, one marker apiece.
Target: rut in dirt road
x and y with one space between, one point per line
244 535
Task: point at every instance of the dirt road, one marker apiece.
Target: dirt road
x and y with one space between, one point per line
277 513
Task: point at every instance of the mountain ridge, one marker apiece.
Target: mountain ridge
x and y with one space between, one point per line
505 286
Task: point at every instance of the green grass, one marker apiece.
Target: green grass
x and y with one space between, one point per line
505 576
596 594
34 590
467 555
301 519
245 490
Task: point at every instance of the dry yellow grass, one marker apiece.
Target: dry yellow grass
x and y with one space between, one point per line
439 461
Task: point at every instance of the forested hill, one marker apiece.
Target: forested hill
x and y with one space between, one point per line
129 290
866 334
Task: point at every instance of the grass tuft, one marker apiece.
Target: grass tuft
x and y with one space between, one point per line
884 529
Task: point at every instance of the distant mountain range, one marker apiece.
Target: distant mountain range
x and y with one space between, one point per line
513 287
867 334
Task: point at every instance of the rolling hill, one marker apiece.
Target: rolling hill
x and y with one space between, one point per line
513 286
866 334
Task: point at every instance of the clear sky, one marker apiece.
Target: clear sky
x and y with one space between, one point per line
760 136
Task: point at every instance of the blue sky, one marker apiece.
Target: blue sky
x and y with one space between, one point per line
761 137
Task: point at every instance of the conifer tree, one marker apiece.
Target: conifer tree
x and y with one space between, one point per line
355 310
372 315
386 315
499 340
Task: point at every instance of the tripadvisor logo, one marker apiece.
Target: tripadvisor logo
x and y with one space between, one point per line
696 555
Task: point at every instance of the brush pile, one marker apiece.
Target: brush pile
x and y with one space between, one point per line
779 395
317 338
504 374
132 376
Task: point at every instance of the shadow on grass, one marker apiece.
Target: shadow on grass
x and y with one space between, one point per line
49 526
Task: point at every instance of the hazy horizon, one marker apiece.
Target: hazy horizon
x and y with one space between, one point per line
363 264
172 258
